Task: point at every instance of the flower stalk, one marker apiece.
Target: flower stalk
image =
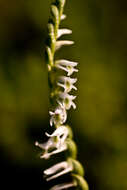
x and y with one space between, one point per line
61 101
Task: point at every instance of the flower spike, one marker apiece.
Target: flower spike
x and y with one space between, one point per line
62 99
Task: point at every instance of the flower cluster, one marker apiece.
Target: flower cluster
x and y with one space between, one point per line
62 100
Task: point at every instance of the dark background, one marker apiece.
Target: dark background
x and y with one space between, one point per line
100 120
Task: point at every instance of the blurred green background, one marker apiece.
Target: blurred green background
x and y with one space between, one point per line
100 120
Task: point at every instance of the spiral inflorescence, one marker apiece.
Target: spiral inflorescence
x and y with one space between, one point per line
61 101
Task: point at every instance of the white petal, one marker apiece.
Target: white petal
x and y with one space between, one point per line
68 79
51 121
59 174
60 104
74 87
45 156
51 113
63 17
36 143
66 169
61 149
63 32
63 186
71 70
73 105
61 43
66 63
66 95
59 131
69 169
61 85
73 80
45 146
62 68
56 168
42 146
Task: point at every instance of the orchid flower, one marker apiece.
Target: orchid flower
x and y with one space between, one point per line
67 66
67 83
59 116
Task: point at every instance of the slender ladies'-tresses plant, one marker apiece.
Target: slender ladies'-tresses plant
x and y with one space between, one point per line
61 101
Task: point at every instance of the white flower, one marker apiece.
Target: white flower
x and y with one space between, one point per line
67 83
47 155
67 100
63 32
58 170
59 116
61 43
64 186
46 146
61 133
67 66
56 140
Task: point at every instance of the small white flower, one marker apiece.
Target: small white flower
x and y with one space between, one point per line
46 146
63 32
67 83
47 155
61 133
67 100
59 116
61 43
58 170
64 186
67 66
56 140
